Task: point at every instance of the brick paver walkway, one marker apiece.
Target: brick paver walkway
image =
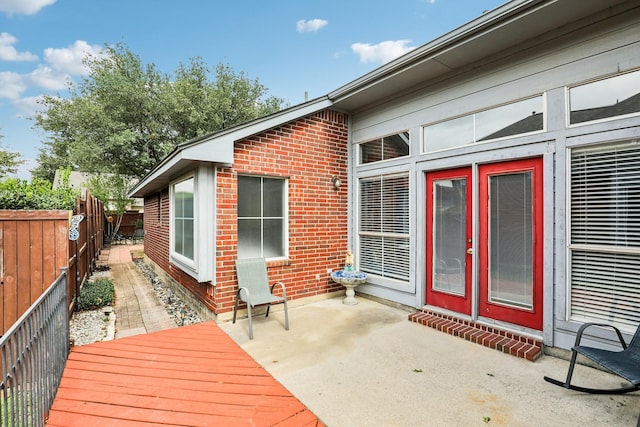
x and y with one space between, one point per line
138 309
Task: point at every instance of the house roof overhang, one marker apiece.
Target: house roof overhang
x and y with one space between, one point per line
495 31
498 30
217 148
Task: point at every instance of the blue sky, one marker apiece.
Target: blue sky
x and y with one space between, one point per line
290 46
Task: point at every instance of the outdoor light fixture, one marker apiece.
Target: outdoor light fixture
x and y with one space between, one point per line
336 181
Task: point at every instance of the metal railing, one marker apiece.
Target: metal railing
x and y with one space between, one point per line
33 354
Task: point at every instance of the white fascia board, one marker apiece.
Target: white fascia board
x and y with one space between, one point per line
429 50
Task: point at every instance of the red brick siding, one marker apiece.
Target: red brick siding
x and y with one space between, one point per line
156 228
308 152
156 245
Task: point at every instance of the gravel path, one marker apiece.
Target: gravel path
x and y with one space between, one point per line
87 327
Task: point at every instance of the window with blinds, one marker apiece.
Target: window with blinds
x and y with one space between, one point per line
383 227
605 234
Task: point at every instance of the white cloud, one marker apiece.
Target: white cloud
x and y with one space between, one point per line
311 25
382 52
62 65
9 53
11 85
27 106
69 59
27 7
48 78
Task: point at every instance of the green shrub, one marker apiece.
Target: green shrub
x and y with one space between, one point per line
38 194
96 294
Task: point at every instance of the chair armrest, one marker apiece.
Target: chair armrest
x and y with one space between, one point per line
603 325
284 290
247 298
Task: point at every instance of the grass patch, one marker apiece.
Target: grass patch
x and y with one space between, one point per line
22 402
96 294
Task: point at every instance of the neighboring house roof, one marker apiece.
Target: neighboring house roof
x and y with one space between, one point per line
474 43
76 179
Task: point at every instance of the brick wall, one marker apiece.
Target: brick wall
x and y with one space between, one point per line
308 152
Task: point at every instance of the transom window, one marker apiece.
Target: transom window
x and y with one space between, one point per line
383 228
389 147
513 119
605 234
261 217
611 97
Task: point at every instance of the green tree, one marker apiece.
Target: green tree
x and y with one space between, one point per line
112 189
125 116
9 161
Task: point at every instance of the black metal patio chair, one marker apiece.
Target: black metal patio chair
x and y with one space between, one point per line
137 236
624 363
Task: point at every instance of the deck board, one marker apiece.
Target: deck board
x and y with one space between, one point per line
194 375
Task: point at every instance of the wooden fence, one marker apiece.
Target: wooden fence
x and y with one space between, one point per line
35 247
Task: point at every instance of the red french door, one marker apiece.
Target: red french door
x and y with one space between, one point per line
449 239
510 247
510 215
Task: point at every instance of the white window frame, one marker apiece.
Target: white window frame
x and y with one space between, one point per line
400 134
201 266
599 270
285 216
387 279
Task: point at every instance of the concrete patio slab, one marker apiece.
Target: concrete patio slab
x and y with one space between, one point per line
367 365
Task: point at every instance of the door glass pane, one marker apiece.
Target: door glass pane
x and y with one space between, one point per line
449 235
511 240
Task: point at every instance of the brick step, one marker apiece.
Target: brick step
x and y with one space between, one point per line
488 336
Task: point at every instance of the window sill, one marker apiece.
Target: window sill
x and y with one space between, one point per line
278 262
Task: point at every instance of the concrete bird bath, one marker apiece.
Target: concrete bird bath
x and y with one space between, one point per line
350 280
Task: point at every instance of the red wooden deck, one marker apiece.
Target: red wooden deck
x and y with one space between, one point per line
194 375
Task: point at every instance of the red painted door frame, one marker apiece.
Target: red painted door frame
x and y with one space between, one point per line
531 318
457 303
